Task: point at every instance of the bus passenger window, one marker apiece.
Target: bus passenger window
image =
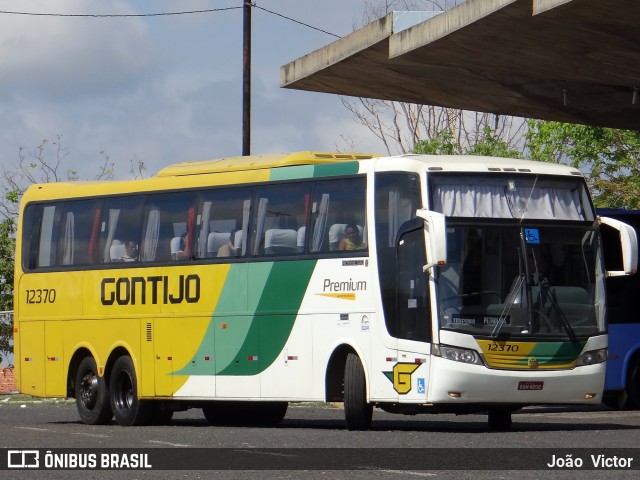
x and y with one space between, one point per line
120 224
39 238
167 219
337 204
282 210
76 233
220 222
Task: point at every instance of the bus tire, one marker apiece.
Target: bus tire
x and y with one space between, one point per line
219 413
92 396
499 419
270 414
616 400
357 412
127 408
633 386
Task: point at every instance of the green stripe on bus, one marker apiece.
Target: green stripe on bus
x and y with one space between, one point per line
311 171
335 169
274 317
550 353
291 173
247 344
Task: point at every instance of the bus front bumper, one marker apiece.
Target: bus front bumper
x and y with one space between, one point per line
456 382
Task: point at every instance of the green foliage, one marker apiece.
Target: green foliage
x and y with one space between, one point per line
490 145
609 158
7 248
487 144
13 196
441 144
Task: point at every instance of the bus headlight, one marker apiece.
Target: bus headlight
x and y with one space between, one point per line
592 357
456 354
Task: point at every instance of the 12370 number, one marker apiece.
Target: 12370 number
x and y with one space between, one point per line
494 347
41 295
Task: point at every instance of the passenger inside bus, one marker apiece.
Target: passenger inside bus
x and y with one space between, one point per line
228 249
116 251
131 251
179 250
352 239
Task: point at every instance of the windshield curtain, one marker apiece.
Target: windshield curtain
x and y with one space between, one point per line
504 196
521 281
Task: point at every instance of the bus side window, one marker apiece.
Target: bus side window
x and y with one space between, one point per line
336 204
222 218
166 217
281 211
38 235
77 235
120 223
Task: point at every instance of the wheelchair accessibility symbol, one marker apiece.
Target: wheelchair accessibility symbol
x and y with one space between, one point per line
532 235
421 388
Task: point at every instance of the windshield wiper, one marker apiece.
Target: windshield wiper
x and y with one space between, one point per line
544 283
511 296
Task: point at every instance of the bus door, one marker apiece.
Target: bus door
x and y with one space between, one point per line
413 324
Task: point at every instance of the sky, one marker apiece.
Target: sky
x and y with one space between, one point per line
165 89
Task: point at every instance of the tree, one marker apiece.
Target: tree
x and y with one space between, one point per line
402 126
7 249
487 144
35 166
609 158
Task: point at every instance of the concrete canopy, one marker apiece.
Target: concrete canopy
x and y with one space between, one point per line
574 61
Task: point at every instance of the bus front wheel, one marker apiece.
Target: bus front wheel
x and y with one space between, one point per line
357 411
127 408
92 397
499 418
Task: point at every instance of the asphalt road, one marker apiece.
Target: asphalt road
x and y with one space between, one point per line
55 425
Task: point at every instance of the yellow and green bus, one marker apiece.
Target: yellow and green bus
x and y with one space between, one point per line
411 283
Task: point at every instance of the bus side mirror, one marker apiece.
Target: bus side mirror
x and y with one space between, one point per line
435 228
628 244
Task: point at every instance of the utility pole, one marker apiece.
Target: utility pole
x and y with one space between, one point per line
246 78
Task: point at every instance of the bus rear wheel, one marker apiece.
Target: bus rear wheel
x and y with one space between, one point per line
127 408
357 412
92 396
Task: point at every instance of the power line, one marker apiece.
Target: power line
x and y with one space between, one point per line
296 21
118 15
160 14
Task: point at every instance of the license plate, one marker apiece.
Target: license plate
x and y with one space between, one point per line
530 385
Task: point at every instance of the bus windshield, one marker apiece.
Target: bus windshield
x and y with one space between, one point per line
517 281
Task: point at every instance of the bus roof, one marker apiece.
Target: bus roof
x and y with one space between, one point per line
257 168
256 162
479 164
